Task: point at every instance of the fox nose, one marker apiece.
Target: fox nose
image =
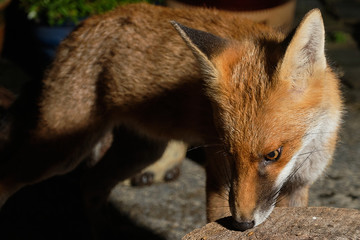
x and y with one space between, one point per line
242 226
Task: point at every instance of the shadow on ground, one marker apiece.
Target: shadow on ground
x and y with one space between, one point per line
53 210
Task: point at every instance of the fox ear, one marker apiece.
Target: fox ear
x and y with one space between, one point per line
205 46
305 55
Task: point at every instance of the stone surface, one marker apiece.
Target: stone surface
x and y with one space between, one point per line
289 223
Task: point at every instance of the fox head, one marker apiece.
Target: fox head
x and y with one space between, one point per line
276 108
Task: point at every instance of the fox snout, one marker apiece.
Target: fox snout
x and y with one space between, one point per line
250 204
242 217
242 226
244 222
242 202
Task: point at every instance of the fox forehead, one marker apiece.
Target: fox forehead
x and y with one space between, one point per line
255 104
246 74
249 62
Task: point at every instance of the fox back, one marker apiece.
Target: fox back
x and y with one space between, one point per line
269 104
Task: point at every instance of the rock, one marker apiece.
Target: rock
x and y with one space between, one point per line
289 223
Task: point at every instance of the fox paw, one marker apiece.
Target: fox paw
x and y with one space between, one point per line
172 174
148 178
165 169
142 179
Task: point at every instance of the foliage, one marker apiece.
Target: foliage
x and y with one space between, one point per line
57 12
337 37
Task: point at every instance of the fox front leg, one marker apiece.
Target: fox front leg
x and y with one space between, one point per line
165 169
128 155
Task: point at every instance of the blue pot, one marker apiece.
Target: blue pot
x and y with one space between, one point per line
49 38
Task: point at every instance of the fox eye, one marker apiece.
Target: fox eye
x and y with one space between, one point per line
274 155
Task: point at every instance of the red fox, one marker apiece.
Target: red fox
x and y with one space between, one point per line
268 107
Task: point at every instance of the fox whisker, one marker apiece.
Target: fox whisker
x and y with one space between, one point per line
203 146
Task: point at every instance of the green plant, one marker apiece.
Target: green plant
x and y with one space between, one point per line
56 12
338 37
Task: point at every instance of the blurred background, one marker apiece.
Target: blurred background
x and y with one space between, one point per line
29 33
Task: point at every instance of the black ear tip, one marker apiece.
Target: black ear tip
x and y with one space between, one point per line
177 25
183 30
203 42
